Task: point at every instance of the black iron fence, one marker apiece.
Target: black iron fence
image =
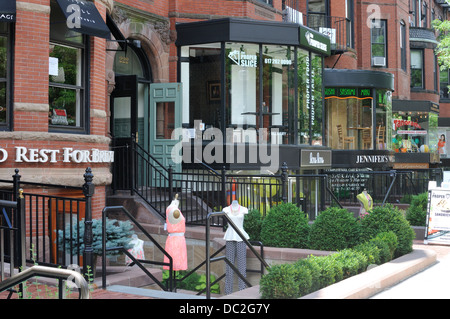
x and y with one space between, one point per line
49 218
205 190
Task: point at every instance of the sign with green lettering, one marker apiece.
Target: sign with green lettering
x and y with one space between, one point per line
348 93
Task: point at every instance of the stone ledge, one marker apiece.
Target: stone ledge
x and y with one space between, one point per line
366 284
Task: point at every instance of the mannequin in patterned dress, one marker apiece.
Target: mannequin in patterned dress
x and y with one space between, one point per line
235 246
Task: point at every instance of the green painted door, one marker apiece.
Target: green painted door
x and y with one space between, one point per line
165 117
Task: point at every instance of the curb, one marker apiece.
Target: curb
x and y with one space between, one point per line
369 283
366 284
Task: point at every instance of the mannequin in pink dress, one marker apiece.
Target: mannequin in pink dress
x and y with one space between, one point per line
175 242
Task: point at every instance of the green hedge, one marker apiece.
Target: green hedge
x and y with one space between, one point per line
334 229
388 218
285 226
416 214
291 281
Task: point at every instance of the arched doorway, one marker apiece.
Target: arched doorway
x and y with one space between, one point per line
129 109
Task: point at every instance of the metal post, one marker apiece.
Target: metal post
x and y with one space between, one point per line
132 167
88 191
284 181
170 171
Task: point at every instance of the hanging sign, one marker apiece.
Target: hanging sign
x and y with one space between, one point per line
438 217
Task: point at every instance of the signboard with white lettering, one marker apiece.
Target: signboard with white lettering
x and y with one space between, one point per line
438 217
315 158
66 155
7 11
315 41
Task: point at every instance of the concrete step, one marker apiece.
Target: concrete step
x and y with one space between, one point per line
158 294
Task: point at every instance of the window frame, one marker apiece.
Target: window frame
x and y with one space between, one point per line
422 72
383 26
83 87
8 124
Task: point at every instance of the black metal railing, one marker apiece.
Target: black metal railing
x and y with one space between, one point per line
339 29
170 286
48 219
12 237
210 259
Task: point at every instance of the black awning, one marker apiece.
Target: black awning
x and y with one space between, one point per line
7 10
83 17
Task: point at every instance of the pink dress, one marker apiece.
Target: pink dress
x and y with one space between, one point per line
176 244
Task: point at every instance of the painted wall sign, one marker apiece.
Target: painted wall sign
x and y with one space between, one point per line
68 155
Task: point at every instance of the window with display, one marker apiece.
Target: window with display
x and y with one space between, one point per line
415 132
349 118
67 76
5 78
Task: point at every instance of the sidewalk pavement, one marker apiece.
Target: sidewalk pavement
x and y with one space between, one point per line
432 282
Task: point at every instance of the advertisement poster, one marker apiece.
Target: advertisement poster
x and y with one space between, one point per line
438 217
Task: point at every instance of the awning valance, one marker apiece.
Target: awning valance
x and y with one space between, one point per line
7 10
83 17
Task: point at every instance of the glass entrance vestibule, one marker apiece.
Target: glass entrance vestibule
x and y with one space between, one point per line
358 108
258 82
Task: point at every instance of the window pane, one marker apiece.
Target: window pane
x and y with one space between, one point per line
165 120
378 50
201 85
64 106
416 59
242 65
3 102
65 65
278 113
128 63
303 96
3 56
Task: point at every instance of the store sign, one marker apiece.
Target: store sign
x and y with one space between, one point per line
399 123
372 159
243 59
438 216
315 158
67 155
348 93
315 41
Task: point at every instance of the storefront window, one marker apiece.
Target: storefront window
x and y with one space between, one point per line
415 132
349 118
4 76
200 74
66 75
383 111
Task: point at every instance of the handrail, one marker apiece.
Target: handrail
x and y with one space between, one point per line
49 272
138 225
208 268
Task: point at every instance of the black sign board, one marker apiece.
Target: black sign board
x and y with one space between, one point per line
7 10
82 16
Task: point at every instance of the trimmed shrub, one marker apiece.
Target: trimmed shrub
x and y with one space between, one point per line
314 269
285 281
385 253
331 271
385 219
371 252
353 262
285 226
391 240
252 224
417 211
334 229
